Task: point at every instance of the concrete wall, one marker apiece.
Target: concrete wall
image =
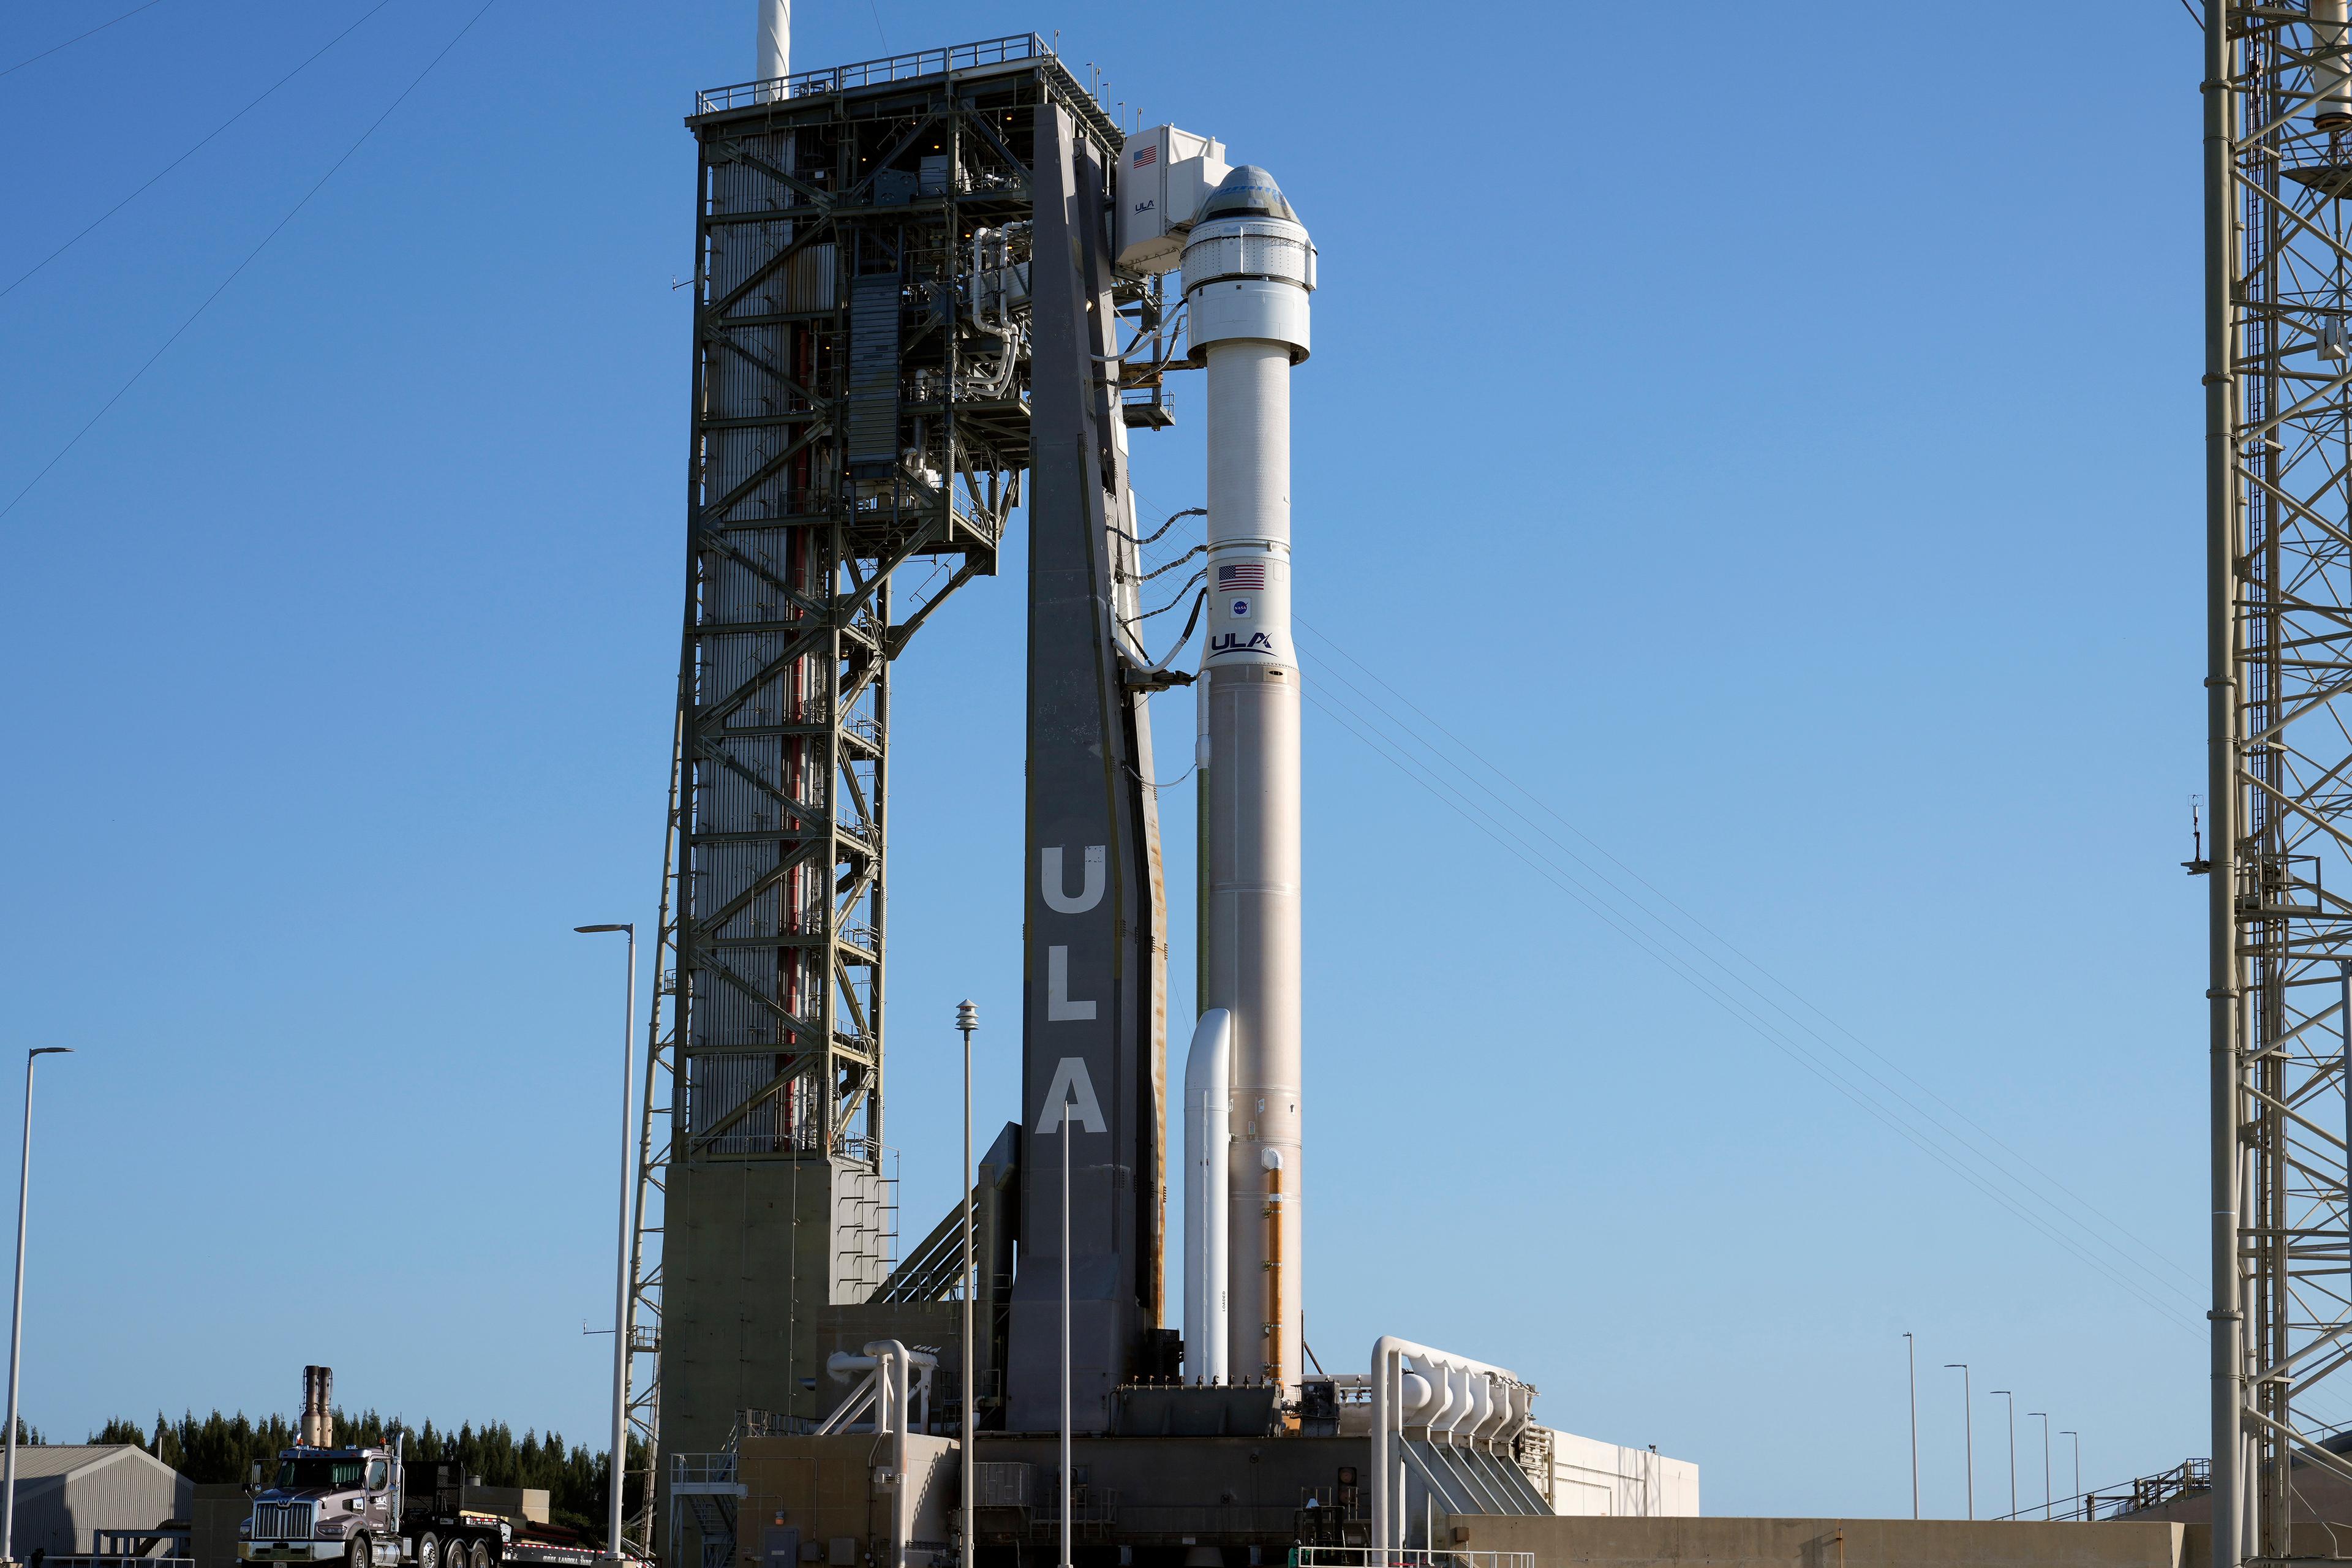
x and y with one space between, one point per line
1833 1543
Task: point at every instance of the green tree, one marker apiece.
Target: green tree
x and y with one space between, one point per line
225 1448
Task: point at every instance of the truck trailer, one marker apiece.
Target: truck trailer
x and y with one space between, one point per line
368 1506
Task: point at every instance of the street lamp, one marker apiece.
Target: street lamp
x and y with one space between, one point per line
1969 1415
1911 1349
2078 1473
967 1020
1065 1334
2046 1460
16 1319
2012 1452
621 1268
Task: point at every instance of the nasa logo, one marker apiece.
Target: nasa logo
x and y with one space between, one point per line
1241 606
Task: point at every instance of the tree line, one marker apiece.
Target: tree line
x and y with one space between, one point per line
225 1448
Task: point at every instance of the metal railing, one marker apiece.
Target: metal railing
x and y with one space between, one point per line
702 1470
874 73
1408 1557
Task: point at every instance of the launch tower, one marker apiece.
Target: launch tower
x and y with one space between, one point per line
860 430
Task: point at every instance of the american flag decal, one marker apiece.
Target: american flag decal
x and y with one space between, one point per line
1249 574
1146 156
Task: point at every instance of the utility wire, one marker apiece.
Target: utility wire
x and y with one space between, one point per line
1709 975
291 213
78 37
1458 746
191 152
1355 724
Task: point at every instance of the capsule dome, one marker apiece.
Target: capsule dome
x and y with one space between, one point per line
1247 191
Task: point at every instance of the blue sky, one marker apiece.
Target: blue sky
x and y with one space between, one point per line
1767 436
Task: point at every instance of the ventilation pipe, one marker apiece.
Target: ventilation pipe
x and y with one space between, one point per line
318 1407
774 44
1451 1395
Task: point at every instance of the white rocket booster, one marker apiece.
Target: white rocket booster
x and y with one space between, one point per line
1248 268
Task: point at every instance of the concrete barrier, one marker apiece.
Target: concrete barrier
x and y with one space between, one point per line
1624 1542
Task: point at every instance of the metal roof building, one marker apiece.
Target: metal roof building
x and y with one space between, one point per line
68 1492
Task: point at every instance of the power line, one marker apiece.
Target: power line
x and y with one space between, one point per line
1730 1003
291 213
191 152
1462 747
1621 909
78 37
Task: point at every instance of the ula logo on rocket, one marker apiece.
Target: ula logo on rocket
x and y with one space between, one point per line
1233 642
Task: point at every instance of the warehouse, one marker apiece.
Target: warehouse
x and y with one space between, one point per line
65 1493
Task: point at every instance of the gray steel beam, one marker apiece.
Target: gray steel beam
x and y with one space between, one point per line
1094 1026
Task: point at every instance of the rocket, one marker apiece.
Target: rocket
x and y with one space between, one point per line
1248 268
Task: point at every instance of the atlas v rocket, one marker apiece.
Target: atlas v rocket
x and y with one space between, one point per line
1248 268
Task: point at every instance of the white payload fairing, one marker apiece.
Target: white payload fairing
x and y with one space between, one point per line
1248 269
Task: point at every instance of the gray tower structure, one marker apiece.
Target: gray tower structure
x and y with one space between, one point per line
2278 401
1095 1026
862 417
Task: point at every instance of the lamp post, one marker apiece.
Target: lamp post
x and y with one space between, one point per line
17 1317
967 1020
2011 1515
1911 1349
1968 1415
1065 1334
620 1463
2046 1460
2078 1475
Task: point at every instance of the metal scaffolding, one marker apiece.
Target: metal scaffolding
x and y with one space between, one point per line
2278 143
860 428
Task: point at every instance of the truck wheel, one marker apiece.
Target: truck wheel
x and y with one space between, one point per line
428 1550
481 1554
362 1556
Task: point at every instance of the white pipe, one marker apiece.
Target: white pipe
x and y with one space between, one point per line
1208 1128
1483 1387
773 48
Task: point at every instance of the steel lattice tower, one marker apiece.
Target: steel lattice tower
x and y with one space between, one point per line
2278 143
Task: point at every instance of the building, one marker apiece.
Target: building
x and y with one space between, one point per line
68 1492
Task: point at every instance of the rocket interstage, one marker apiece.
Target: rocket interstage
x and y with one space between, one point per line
1248 268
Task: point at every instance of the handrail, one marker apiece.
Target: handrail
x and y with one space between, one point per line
875 72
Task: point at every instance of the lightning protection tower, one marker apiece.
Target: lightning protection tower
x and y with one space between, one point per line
2278 401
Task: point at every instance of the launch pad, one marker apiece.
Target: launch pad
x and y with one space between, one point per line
929 289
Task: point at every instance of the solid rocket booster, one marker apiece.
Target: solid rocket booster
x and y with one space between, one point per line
1248 268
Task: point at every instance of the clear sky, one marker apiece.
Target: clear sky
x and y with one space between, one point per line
1766 435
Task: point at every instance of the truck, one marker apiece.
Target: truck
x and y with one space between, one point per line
370 1507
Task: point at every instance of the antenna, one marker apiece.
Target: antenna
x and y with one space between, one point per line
2196 864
